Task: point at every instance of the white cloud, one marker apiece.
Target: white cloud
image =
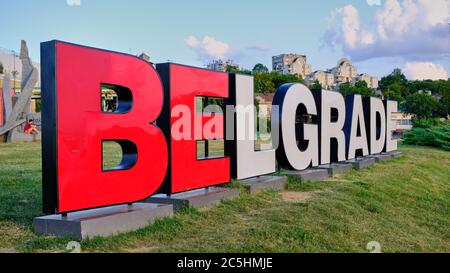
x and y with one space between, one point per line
209 48
350 25
425 71
374 2
73 2
412 29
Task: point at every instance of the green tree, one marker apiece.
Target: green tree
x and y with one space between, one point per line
231 69
422 105
316 86
1 68
395 86
394 92
444 101
260 68
279 79
359 88
263 83
236 70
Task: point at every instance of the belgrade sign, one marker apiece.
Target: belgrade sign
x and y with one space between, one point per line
158 127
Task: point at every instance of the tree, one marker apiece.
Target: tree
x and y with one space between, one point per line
394 92
279 79
395 86
316 86
263 83
1 68
236 70
260 68
422 105
231 69
360 88
444 102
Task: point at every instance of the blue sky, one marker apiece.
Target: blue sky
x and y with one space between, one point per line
246 31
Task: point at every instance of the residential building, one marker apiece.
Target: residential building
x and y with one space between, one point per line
372 82
325 78
222 65
294 64
344 72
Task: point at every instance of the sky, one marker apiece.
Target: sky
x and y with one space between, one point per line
377 35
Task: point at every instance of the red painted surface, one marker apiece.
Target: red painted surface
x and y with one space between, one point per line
187 172
81 127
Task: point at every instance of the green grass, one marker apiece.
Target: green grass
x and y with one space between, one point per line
404 204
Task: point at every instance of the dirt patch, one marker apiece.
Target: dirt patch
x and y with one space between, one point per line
7 250
296 197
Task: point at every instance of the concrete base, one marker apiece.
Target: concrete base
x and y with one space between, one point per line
336 168
198 198
255 185
380 157
15 136
101 222
361 162
394 154
311 174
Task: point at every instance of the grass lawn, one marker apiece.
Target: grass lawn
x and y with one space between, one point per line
403 204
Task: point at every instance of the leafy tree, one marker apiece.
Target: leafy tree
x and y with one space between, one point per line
394 92
444 102
1 68
359 88
396 76
263 83
260 68
234 69
279 79
231 69
316 86
422 105
395 86
269 82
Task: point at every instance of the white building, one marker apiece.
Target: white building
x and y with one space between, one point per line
372 82
325 78
344 71
294 64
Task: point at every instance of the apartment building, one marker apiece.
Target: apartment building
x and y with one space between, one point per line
294 64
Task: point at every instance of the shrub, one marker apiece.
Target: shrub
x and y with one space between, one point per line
429 133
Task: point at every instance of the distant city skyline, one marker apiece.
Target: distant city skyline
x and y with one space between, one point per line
376 35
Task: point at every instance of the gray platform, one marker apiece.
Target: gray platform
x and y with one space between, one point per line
337 168
101 222
198 198
394 154
361 162
310 174
380 157
267 182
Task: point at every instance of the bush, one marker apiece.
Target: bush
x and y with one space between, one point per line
426 123
429 133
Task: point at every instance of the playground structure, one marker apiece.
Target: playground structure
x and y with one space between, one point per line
15 107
